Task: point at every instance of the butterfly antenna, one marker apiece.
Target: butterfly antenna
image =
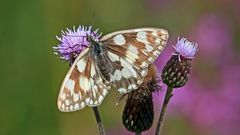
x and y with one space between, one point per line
93 22
94 18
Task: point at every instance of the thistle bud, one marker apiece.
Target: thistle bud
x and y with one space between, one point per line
138 113
176 72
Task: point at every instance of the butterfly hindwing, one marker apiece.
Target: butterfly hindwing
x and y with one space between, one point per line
123 76
82 86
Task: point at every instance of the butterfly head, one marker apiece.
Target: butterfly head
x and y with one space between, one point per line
90 39
93 43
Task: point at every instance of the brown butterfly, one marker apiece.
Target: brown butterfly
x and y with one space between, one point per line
120 59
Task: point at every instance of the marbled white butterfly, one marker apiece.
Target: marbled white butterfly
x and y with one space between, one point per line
120 59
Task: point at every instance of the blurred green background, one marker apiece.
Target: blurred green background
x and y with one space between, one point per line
31 74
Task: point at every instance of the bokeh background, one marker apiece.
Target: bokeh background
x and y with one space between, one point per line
31 74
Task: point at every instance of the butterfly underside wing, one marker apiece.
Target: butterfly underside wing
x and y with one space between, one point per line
122 64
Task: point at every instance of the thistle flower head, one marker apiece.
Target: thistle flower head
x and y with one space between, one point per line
185 48
177 70
138 113
73 42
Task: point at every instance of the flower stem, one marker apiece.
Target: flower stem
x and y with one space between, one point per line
99 121
138 133
167 98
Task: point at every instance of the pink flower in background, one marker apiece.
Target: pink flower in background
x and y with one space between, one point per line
214 34
210 100
215 108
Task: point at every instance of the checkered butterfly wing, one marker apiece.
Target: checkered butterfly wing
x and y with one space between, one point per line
127 55
130 52
83 85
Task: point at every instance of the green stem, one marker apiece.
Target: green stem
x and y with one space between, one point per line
99 121
138 133
167 98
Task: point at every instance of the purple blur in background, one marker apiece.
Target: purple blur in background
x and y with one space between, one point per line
210 100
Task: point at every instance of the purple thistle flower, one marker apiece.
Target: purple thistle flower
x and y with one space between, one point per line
177 70
73 42
185 48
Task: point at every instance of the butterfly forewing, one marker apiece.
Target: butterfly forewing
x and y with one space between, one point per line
142 46
82 86
131 51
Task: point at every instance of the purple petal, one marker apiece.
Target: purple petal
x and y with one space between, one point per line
185 48
73 42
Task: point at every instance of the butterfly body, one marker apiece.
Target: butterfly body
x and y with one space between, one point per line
103 65
120 60
99 56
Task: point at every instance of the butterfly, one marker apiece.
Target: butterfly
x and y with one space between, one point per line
120 60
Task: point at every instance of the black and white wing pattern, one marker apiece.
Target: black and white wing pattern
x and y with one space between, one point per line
131 52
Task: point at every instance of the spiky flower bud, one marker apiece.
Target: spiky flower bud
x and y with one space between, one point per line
176 72
138 113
